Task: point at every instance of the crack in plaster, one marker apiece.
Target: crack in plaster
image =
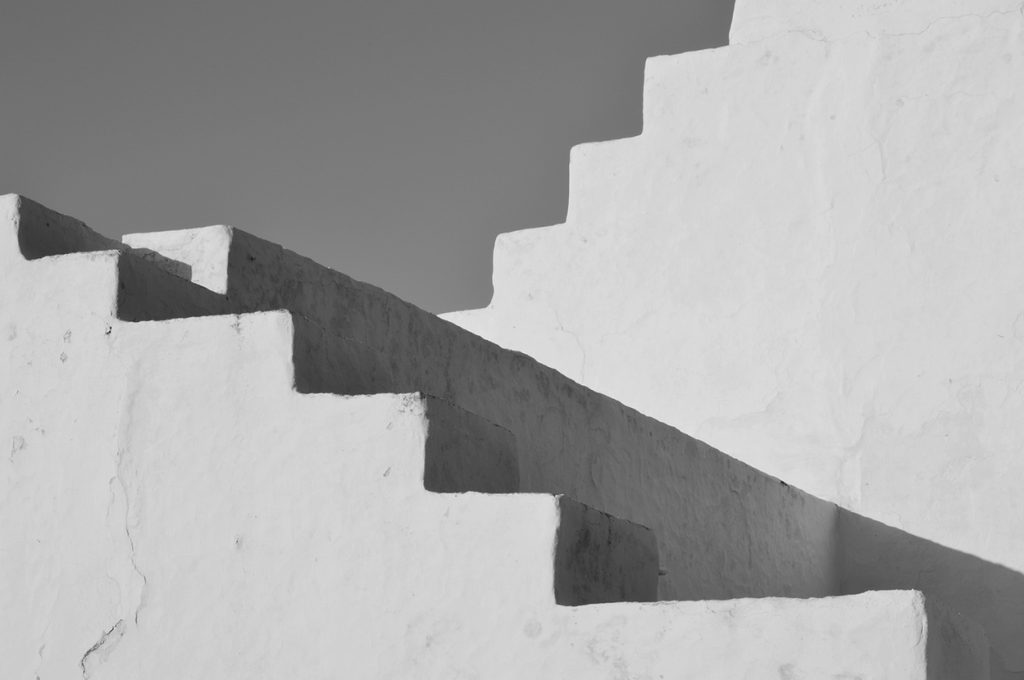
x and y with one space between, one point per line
579 343
934 22
55 597
114 634
39 655
117 629
17 444
130 538
131 389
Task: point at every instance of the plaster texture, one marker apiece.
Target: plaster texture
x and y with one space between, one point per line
755 20
724 530
810 259
174 505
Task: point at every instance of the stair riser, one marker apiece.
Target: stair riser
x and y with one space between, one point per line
354 338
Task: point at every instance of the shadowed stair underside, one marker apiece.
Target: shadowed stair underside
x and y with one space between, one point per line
178 502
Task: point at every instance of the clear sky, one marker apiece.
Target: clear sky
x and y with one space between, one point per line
391 140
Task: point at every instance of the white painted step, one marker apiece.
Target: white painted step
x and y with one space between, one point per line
723 529
810 260
173 507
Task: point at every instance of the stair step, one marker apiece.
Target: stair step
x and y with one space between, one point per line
148 285
217 503
599 558
203 497
202 252
465 452
42 232
148 292
353 338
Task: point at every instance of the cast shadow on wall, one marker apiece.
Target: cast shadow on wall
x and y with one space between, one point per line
874 556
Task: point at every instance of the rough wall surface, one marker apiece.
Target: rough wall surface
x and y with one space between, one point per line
759 19
724 530
810 258
173 506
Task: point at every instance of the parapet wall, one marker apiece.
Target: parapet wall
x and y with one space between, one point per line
810 259
175 501
171 481
724 530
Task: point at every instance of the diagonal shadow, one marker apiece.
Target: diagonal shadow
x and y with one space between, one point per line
874 556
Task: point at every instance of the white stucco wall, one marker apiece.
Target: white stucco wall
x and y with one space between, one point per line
810 259
759 19
724 530
172 507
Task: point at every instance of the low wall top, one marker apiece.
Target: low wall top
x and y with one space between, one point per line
755 20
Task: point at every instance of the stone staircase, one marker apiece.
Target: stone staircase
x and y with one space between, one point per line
201 486
810 259
227 461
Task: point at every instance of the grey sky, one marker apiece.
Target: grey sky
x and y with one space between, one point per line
390 140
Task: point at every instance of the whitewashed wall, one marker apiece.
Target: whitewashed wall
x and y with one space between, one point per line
173 506
811 259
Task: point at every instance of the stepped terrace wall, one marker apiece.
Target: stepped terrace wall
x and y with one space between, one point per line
724 529
810 259
172 505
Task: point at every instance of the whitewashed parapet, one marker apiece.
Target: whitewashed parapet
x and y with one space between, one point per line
723 528
174 507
